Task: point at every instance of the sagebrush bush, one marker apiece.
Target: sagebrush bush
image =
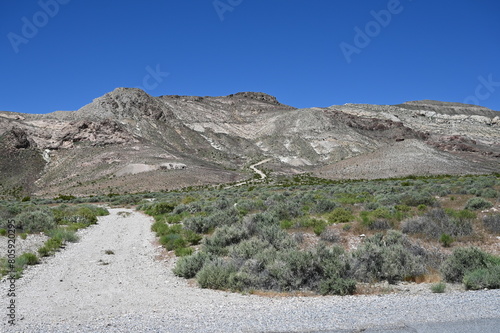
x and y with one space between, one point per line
330 235
478 203
247 206
293 270
82 214
323 206
198 224
248 248
222 238
483 278
35 221
492 223
489 193
216 274
188 266
286 210
464 260
436 222
387 257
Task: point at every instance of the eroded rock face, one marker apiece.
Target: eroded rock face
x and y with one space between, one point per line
103 132
20 138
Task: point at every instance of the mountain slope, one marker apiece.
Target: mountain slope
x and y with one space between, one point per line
130 141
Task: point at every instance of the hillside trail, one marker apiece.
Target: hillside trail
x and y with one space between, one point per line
84 289
254 169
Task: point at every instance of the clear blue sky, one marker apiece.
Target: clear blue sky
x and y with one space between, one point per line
296 50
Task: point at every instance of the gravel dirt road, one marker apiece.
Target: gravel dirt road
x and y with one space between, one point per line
83 289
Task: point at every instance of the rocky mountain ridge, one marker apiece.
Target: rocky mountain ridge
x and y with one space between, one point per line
120 141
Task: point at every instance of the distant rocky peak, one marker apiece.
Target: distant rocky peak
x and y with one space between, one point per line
256 96
124 103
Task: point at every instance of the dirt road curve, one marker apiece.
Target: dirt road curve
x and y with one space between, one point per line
254 169
83 289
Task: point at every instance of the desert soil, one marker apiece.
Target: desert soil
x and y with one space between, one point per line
83 289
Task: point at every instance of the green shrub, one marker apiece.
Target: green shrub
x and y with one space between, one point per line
192 237
483 278
464 260
160 228
27 259
318 229
3 232
340 215
20 264
76 226
492 223
286 224
478 203
446 240
85 215
35 221
81 214
54 244
183 251
337 286
418 198
44 251
188 266
160 208
64 234
176 218
488 193
24 235
172 241
438 288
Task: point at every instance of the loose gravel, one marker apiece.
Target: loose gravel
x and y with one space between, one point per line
83 289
